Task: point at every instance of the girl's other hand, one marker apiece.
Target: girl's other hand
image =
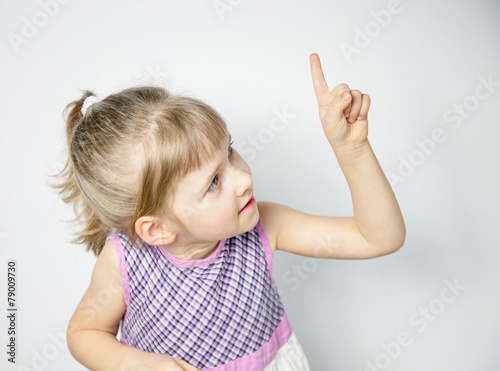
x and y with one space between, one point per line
159 362
343 112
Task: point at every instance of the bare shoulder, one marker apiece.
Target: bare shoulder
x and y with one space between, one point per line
107 263
102 305
107 276
271 214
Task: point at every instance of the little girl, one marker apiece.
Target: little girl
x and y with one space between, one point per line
184 264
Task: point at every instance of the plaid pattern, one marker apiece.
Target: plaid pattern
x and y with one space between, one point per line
205 315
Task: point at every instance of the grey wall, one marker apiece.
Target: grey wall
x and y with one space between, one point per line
433 124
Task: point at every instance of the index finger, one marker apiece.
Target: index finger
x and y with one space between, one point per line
319 82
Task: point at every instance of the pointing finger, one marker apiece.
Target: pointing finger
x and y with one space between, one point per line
320 86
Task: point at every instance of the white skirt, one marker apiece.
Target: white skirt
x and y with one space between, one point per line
290 357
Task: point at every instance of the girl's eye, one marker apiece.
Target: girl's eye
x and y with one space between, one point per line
215 181
214 184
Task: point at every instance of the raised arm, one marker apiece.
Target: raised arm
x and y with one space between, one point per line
91 334
377 227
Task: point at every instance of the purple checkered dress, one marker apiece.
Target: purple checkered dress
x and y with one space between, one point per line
218 313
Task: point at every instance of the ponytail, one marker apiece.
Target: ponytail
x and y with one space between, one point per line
94 232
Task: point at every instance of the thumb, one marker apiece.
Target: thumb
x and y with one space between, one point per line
337 107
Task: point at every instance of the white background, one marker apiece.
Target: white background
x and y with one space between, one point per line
248 62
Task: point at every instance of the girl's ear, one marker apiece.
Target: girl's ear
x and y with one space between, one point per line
153 231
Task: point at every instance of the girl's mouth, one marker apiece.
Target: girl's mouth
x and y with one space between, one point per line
249 206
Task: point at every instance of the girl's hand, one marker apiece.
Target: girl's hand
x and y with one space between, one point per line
158 362
343 112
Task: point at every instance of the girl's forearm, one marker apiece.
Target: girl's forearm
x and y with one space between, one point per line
99 350
376 210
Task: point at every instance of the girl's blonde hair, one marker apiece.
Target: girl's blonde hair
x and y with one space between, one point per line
127 154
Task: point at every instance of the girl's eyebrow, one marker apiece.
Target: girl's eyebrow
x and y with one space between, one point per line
209 179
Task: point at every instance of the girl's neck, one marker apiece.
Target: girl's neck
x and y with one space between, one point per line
193 252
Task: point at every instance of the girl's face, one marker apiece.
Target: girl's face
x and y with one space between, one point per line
216 202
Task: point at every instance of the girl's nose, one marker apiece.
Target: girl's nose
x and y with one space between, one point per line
245 182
